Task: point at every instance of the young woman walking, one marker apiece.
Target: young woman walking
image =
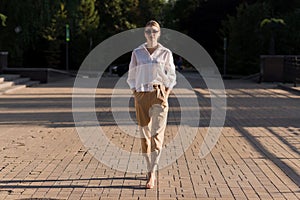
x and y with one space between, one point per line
151 77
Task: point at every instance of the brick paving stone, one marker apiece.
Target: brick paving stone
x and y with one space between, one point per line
256 157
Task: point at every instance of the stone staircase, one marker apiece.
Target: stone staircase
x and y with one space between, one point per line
12 82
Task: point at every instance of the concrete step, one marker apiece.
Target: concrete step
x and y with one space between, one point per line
12 89
10 83
16 81
6 84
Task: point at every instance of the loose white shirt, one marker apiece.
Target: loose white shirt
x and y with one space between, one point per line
147 69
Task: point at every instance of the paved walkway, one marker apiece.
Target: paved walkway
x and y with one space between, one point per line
256 157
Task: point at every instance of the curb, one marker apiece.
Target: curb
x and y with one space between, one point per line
289 88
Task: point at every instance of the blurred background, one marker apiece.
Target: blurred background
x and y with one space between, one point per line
39 33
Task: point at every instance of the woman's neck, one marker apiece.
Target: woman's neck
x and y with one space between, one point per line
152 45
151 49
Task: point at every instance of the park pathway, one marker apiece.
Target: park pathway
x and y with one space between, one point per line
256 157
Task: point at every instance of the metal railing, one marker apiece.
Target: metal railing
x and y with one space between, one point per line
291 70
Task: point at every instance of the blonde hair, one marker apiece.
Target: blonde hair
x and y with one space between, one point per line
153 23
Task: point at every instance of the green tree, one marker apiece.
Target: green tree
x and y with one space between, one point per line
54 34
178 13
55 29
35 28
244 40
281 7
117 16
288 41
88 20
84 30
21 36
150 9
254 31
3 19
270 28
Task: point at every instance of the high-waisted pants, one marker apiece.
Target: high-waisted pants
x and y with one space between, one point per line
151 112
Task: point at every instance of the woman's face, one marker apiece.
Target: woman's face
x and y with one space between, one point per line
152 33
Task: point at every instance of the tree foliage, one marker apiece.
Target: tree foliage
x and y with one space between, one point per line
281 7
55 29
35 32
289 37
21 36
255 30
117 16
150 9
3 19
269 28
88 19
179 13
41 27
244 44
54 34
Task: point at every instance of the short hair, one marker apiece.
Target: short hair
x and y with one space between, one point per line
153 23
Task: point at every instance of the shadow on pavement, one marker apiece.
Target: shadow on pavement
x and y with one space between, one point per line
12 184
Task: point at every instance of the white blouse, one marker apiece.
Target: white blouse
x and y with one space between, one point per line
146 70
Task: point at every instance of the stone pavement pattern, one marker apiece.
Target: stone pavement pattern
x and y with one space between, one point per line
257 156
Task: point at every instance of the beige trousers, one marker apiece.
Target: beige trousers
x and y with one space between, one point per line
152 111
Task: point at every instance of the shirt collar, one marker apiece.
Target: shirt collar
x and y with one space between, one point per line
145 47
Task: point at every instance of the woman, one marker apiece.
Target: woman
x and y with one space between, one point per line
151 77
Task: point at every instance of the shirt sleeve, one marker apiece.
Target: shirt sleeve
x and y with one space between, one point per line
132 71
171 72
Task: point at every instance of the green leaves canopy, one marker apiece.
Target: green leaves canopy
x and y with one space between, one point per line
3 19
